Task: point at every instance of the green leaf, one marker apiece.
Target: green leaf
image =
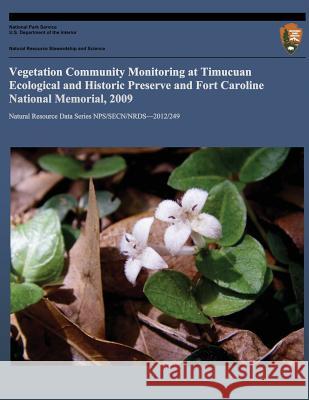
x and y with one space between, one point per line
70 235
203 169
14 278
61 203
71 168
37 249
170 291
241 268
207 167
294 314
105 167
107 203
23 295
63 165
262 163
278 247
217 301
235 157
226 204
297 277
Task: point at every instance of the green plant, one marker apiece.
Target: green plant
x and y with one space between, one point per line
72 168
234 270
37 256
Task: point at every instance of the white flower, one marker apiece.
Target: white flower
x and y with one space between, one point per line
187 220
134 246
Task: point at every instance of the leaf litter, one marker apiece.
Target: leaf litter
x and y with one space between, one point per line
121 325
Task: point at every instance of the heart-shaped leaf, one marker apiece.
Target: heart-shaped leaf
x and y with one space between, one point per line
23 295
61 203
240 268
37 249
105 167
63 165
217 301
262 163
107 203
226 204
170 291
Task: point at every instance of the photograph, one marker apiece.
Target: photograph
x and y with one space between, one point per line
157 254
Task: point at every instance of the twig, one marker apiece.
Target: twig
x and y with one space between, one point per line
193 342
170 332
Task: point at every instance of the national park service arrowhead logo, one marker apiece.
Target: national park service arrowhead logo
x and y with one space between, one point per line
291 36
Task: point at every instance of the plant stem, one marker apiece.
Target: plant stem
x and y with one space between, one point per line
255 221
277 268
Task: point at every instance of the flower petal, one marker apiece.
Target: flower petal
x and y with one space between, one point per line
187 250
152 260
194 200
207 225
168 211
132 268
141 230
176 236
126 244
198 239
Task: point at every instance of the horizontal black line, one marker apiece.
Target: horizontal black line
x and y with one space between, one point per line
163 57
156 16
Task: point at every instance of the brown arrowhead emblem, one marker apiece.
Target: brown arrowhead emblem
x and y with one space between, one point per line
291 37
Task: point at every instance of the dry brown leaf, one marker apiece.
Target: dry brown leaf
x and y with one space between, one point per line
39 343
293 226
159 339
31 190
38 185
113 262
20 168
79 345
80 297
20 202
243 345
290 348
